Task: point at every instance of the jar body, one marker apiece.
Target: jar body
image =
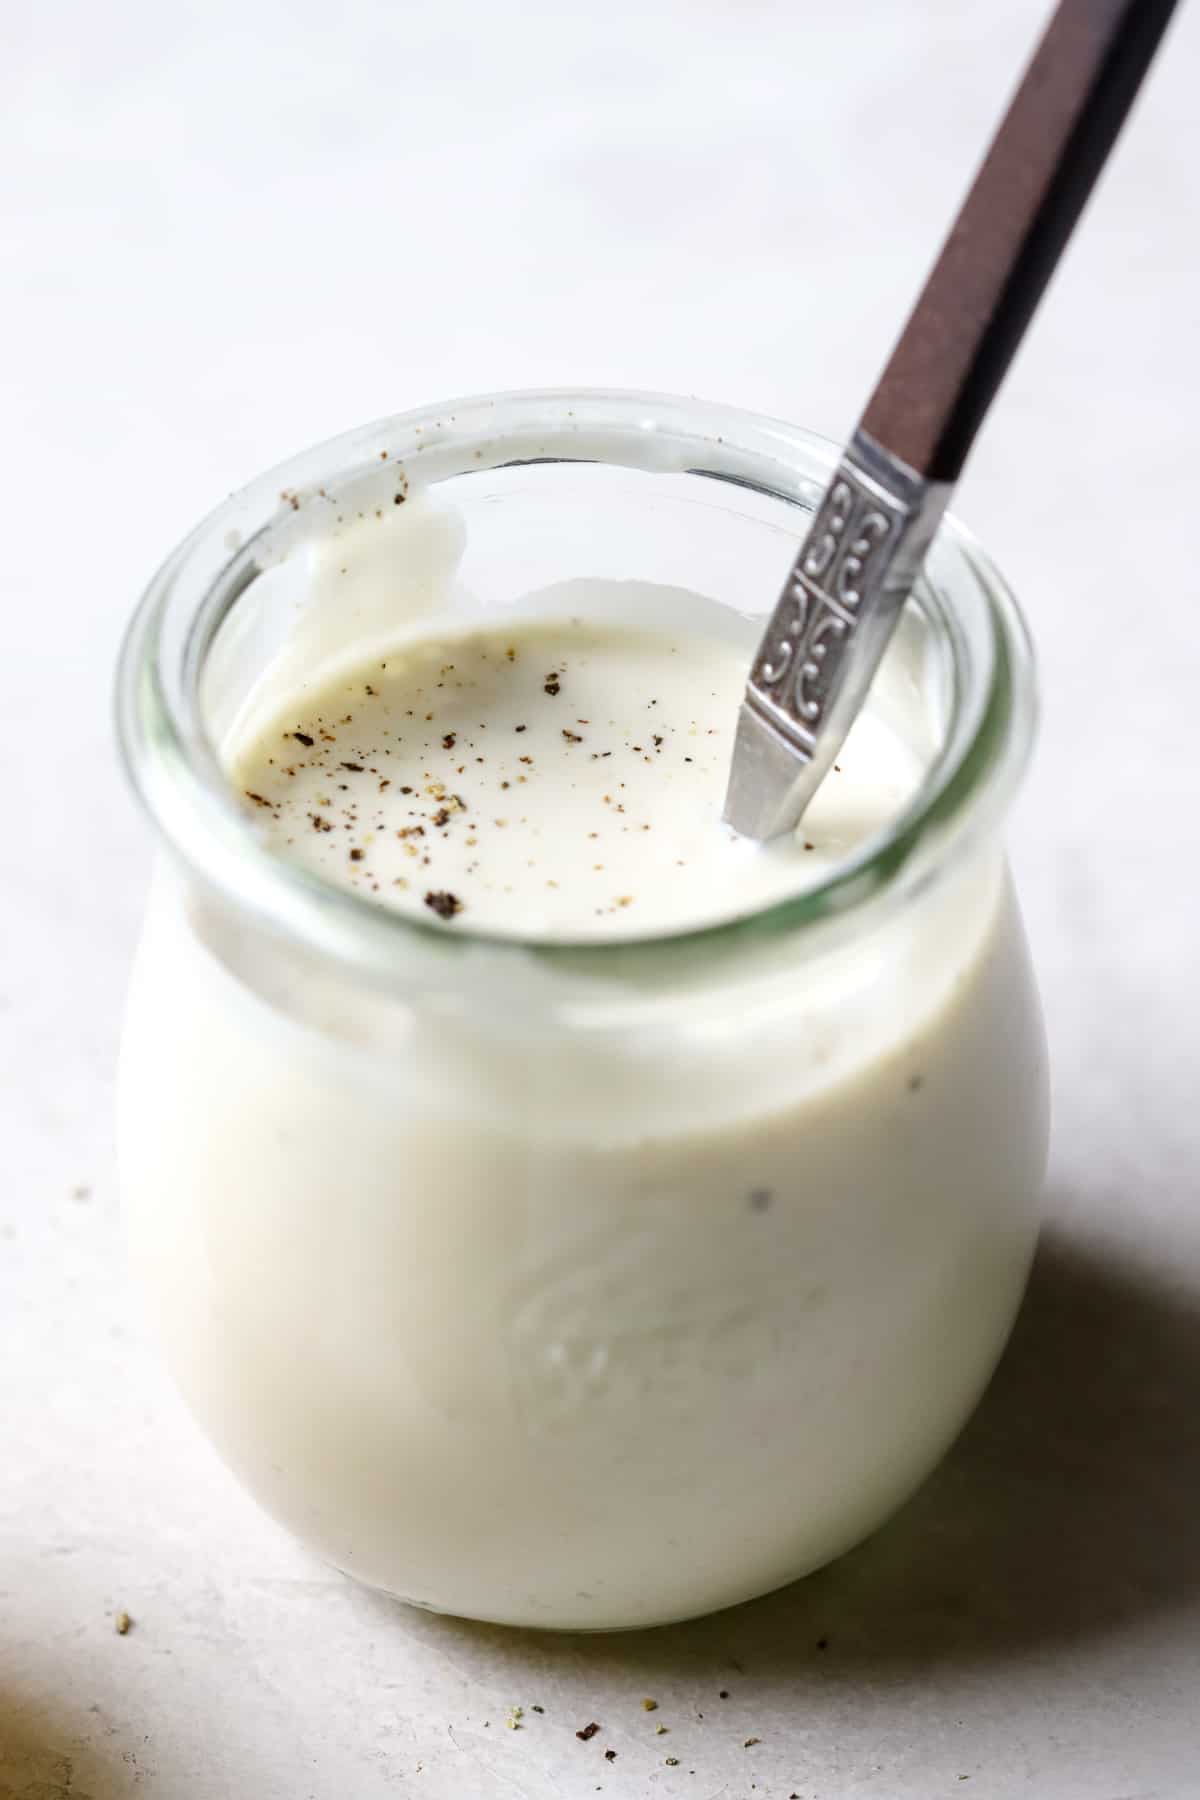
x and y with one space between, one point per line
586 1326
573 1288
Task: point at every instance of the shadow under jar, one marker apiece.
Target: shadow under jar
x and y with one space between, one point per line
582 1286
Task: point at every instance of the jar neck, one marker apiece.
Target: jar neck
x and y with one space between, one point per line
206 591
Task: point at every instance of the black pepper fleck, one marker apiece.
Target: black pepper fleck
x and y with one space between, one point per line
445 905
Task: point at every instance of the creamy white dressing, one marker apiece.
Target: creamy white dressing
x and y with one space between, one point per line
552 779
525 1294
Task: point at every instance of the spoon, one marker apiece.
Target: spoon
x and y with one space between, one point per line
878 515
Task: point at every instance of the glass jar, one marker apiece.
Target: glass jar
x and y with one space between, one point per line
583 1287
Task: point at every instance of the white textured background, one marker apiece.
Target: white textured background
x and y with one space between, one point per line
233 229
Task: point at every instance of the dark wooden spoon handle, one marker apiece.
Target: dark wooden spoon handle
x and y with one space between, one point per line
875 521
1002 248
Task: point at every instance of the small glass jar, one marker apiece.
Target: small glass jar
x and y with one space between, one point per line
595 1286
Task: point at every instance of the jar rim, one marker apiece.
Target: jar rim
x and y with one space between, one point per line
176 775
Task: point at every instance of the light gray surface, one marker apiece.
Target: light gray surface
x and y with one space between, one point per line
235 229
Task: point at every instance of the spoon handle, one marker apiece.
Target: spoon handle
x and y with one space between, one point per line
864 549
1011 230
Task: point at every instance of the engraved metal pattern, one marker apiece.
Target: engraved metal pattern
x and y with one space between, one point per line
775 661
817 672
796 670
830 628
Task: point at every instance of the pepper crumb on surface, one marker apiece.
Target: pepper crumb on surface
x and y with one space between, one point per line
588 1731
445 905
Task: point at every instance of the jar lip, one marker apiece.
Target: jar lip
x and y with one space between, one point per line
178 780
